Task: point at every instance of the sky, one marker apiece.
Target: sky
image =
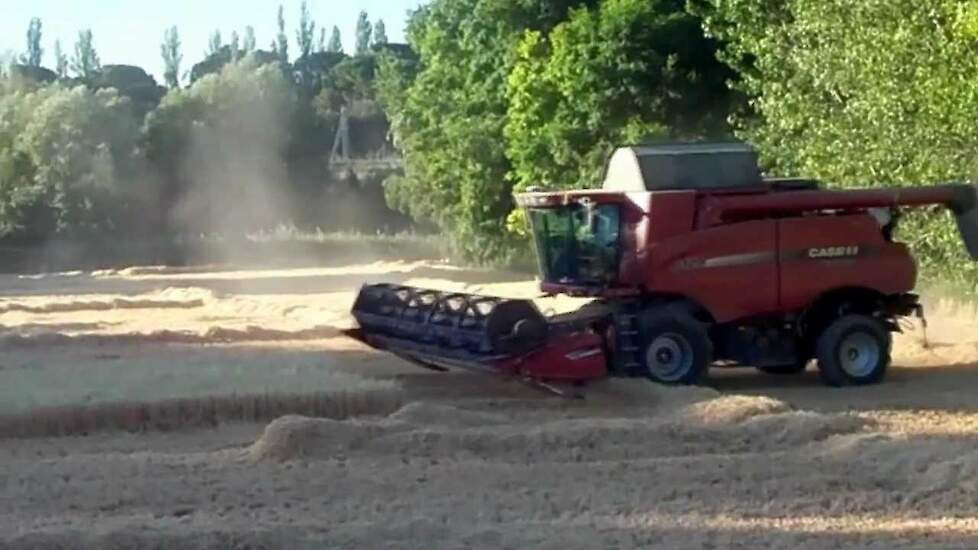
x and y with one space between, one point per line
130 32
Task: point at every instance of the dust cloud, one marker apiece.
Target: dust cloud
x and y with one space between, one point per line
236 171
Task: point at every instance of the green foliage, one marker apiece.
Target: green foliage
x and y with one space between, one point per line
353 78
60 60
66 155
235 46
448 118
618 73
306 31
364 32
133 83
170 50
380 33
214 43
249 43
35 53
32 74
282 39
335 41
531 92
85 63
877 92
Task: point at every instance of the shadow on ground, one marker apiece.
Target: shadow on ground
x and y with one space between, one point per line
931 387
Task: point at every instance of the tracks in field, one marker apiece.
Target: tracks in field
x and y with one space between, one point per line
687 469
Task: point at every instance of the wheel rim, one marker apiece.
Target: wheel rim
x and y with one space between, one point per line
859 354
669 357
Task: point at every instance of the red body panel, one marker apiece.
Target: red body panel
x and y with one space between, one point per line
575 357
874 264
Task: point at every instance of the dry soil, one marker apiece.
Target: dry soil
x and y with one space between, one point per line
417 459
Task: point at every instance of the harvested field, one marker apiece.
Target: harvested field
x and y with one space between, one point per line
218 408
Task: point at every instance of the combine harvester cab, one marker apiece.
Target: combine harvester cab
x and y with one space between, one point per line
694 259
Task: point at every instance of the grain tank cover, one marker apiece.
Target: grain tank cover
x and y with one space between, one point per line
682 166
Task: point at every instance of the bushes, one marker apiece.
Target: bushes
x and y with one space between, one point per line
67 161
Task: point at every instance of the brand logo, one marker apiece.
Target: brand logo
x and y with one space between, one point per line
833 252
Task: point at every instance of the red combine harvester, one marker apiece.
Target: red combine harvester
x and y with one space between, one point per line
694 259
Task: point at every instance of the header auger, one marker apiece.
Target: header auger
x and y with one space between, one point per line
693 259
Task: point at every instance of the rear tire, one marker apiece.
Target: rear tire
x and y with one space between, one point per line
854 350
676 348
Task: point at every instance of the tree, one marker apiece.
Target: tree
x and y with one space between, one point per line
282 40
380 33
249 43
215 43
60 60
7 60
35 53
235 46
865 93
621 72
306 32
353 78
64 157
85 63
170 50
456 169
364 31
132 83
216 62
335 41
321 44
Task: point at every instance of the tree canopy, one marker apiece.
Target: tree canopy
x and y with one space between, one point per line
85 61
335 41
878 92
622 72
66 160
364 33
516 92
35 52
172 57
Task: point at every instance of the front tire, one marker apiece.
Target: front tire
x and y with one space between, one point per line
676 348
853 351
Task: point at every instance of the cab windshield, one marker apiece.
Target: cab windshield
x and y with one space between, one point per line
575 246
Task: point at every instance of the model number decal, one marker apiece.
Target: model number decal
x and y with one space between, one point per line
833 252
